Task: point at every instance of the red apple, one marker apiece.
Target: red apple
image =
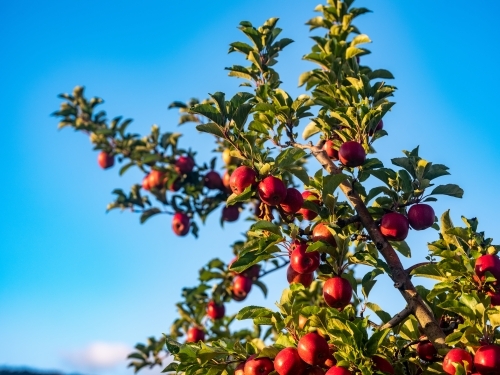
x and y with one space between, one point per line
421 216
215 311
337 292
487 263
241 287
240 369
293 201
225 181
258 366
156 179
322 233
313 349
176 185
303 262
310 196
382 364
241 178
105 160
184 164
230 213
305 279
272 191
195 334
394 226
315 370
457 356
426 351
352 154
335 370
181 224
212 180
288 362
331 361
487 360
330 151
379 126
494 297
145 183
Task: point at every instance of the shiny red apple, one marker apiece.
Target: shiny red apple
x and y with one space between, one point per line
394 226
272 191
352 154
337 292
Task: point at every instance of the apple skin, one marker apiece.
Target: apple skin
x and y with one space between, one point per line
487 263
241 287
258 366
230 213
156 179
330 361
352 154
305 279
456 355
313 349
212 180
181 224
240 369
308 214
394 226
494 297
105 160
293 201
321 233
487 360
184 165
421 216
426 351
315 370
215 311
288 362
303 262
335 370
241 178
225 182
195 334
382 364
145 183
337 292
272 191
330 151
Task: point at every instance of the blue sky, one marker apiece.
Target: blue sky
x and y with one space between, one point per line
72 277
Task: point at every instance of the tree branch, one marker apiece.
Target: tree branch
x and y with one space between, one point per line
287 262
398 318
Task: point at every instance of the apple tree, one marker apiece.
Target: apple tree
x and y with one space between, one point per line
317 226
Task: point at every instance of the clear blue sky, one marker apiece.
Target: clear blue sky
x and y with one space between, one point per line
72 276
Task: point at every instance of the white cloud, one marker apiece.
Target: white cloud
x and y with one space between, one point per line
99 356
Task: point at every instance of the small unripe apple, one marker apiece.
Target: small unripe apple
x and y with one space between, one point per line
212 180
195 334
303 262
322 233
228 159
230 213
181 224
288 362
335 370
184 164
306 213
426 351
302 321
105 160
331 361
352 154
421 216
382 364
258 366
313 349
337 292
487 360
272 191
457 356
305 279
330 151
241 178
394 226
487 263
379 126
293 201
215 311
241 287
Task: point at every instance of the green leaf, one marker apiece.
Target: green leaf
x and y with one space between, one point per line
251 312
332 182
148 213
376 341
384 316
360 39
300 173
261 286
310 130
211 128
449 189
402 247
289 156
352 51
380 73
235 198
172 346
430 271
241 114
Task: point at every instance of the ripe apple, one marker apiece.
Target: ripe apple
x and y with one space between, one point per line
225 181
382 364
459 356
181 224
215 311
426 351
241 178
303 262
321 233
335 370
313 349
305 279
308 214
240 369
394 226
293 201
288 362
379 126
352 154
176 185
195 334
241 287
487 360
184 164
230 213
105 160
330 151
494 297
331 361
258 366
487 263
337 292
421 216
212 180
156 179
272 191
145 183
314 370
